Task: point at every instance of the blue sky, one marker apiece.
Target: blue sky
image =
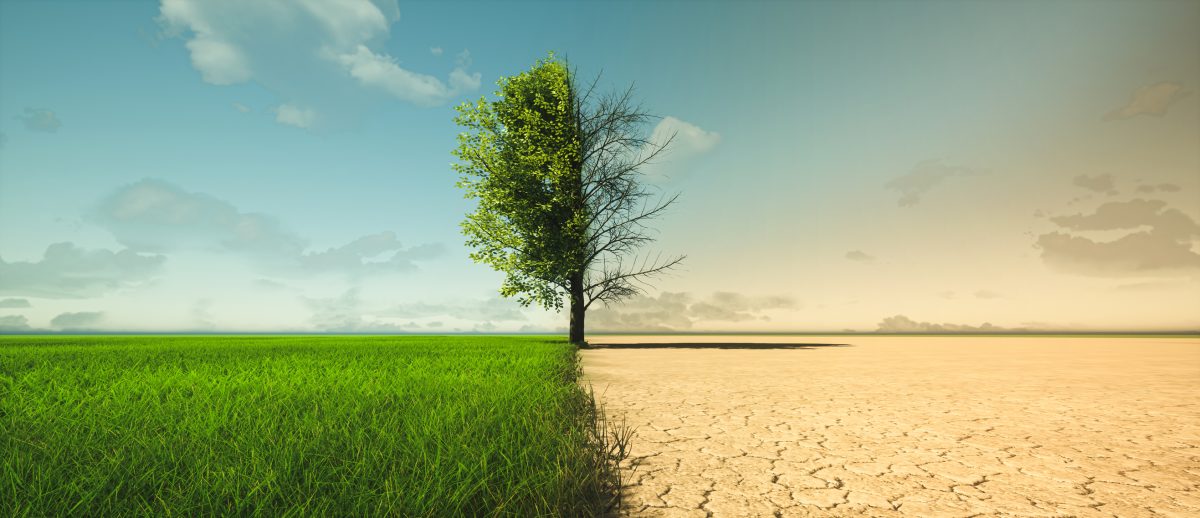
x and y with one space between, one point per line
185 165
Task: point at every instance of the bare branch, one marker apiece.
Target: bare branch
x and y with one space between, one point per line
618 283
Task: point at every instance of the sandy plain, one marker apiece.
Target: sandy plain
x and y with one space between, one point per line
905 426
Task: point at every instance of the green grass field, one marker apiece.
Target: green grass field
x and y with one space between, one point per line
296 425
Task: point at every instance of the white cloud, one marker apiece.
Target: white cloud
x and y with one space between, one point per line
436 51
381 71
372 253
689 139
15 303
228 38
68 271
295 116
1150 100
153 215
80 320
219 62
241 107
311 52
684 140
14 324
461 81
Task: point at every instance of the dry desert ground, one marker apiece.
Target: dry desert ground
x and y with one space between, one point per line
905 426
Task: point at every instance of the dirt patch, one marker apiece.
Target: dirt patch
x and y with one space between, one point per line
906 426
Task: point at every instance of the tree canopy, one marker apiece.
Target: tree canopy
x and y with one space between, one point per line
555 171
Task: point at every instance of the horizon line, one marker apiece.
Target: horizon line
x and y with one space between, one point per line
82 332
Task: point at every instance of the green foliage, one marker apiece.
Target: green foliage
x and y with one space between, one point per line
295 425
520 159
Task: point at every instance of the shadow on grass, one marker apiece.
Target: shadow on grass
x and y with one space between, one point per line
714 345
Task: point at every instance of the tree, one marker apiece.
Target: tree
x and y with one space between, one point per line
556 173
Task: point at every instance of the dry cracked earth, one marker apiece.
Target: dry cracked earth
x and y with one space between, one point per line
906 426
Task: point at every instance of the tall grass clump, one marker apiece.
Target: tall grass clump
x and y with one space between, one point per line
301 425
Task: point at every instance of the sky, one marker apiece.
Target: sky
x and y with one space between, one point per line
285 166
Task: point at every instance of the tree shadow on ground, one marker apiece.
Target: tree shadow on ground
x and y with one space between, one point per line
714 345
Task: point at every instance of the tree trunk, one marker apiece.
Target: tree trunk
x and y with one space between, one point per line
578 311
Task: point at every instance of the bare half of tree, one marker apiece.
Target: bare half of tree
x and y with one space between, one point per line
619 205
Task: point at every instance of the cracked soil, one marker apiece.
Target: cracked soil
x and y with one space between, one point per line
905 426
